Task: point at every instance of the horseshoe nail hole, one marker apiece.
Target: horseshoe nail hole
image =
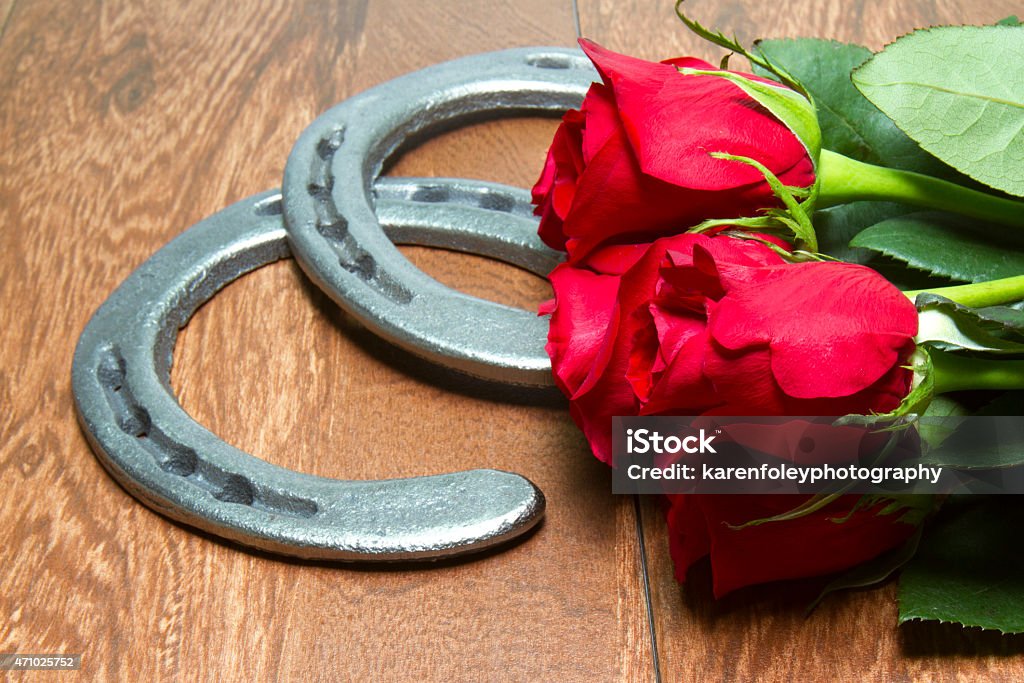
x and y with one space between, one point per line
170 456
271 206
319 191
298 507
497 202
110 369
181 467
549 61
180 461
335 231
237 489
364 266
328 145
431 193
355 260
134 420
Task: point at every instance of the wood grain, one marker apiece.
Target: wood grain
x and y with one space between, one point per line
762 634
6 7
651 29
124 123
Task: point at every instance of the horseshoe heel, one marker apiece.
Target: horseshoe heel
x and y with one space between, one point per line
339 241
121 384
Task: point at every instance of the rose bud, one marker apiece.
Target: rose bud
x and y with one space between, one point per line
694 325
699 325
642 157
828 540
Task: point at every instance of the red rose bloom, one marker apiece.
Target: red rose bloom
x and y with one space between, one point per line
823 542
695 325
634 162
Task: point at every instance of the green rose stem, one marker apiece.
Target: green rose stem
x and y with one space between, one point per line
979 294
846 180
959 373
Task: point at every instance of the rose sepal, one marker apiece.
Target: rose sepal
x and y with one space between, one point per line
768 226
794 218
916 402
794 109
873 572
733 44
823 499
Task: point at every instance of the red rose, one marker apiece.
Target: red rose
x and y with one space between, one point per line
635 161
695 325
822 542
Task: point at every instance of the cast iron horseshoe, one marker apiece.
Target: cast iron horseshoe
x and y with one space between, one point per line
121 383
337 237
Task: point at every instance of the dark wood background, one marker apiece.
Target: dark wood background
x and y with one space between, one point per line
121 124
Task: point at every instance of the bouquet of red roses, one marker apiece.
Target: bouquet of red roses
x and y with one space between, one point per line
785 242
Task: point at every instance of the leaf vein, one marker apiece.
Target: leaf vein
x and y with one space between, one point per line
948 91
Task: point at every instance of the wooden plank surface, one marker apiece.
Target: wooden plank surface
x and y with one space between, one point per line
121 124
762 633
6 6
124 123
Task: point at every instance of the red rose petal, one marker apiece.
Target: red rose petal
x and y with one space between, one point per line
812 545
746 385
600 120
682 388
688 539
674 122
606 392
580 316
827 339
554 191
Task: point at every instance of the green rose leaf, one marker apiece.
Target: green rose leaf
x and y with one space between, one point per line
946 245
1003 318
838 225
874 571
959 92
962 450
852 126
969 569
949 325
940 420
1005 322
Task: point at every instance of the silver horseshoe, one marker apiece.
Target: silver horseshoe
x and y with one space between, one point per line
142 436
338 240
